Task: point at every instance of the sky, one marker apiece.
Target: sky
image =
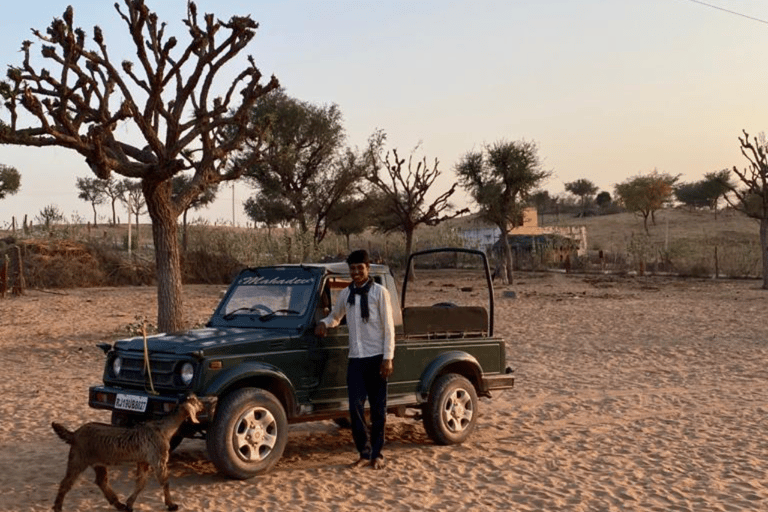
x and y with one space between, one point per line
608 89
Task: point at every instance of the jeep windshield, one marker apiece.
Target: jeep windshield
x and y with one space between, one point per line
268 294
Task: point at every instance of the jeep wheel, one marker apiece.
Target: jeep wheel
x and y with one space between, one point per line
248 434
450 414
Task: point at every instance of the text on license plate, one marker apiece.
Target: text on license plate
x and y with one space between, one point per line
131 402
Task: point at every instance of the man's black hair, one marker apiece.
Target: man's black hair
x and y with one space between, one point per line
358 256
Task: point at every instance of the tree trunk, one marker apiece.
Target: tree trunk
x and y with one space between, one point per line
94 215
764 247
508 263
137 227
167 255
184 231
408 249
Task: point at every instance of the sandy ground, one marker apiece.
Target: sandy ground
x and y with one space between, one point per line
632 394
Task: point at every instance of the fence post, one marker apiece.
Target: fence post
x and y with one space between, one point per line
19 285
4 277
717 265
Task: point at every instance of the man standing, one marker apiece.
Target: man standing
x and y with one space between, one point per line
371 351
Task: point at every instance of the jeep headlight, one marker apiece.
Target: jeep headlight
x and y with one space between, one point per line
187 373
117 365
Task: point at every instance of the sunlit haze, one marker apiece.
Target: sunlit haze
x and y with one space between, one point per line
608 89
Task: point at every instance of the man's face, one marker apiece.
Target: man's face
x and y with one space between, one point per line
359 273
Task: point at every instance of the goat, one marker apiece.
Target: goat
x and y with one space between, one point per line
147 444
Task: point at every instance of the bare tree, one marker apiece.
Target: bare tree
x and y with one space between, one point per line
168 100
401 191
753 198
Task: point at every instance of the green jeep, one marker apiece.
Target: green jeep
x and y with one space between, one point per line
259 356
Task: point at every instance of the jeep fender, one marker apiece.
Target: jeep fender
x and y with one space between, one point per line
456 361
258 375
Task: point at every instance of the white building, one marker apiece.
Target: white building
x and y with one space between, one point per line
479 234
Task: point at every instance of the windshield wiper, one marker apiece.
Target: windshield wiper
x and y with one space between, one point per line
231 314
273 314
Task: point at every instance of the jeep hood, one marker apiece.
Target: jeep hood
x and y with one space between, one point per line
207 340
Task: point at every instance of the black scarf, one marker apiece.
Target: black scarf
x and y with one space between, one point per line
362 291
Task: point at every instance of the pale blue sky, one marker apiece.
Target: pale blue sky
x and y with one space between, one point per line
607 88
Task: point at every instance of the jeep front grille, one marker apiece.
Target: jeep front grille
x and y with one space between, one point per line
164 374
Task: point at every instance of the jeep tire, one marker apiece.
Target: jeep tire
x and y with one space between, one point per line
450 413
248 434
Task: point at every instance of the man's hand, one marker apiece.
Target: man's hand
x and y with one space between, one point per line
387 367
321 330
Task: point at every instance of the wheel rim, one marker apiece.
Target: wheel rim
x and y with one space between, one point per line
457 411
255 434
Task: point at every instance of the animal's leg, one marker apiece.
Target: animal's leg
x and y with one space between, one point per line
142 472
161 473
74 468
102 480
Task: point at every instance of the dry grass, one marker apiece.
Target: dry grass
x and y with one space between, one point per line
682 241
612 232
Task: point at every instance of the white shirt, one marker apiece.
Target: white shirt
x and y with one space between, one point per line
366 339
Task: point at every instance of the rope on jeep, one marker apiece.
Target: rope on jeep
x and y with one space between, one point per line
147 366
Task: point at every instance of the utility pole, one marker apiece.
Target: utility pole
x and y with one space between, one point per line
129 226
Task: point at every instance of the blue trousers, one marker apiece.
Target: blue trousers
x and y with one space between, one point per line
364 381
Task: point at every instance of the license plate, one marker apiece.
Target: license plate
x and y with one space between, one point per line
131 403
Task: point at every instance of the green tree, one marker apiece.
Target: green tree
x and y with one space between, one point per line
10 180
49 216
304 171
132 196
170 115
264 211
180 183
751 196
91 190
130 193
706 192
113 190
717 184
646 194
603 200
500 179
584 189
544 203
351 216
692 194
